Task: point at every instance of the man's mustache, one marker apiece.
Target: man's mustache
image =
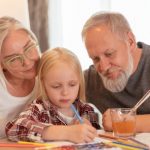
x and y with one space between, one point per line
109 71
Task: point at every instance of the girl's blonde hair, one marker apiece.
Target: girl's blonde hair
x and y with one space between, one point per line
50 58
8 24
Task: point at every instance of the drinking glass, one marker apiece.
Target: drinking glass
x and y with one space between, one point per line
123 122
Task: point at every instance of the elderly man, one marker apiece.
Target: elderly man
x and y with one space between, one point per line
120 75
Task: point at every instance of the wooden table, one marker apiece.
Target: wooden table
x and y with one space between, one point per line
141 137
12 148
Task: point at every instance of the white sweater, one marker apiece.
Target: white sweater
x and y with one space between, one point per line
11 106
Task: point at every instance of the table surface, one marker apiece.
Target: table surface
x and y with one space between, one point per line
12 148
143 137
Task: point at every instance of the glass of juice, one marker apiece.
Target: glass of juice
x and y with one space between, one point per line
123 122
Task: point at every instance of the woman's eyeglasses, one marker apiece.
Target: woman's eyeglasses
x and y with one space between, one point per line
17 60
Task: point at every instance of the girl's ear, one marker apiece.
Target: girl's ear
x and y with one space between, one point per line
132 41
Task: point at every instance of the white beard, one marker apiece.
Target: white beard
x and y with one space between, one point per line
117 85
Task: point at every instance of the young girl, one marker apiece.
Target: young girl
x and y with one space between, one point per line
51 117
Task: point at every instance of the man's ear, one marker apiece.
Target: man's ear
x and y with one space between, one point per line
131 40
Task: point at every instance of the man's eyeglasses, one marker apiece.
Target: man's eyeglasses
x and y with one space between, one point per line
17 60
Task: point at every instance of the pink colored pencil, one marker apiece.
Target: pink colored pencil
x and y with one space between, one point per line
19 145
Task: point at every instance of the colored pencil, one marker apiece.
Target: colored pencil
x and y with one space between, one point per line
138 142
36 143
18 145
120 145
108 136
129 141
32 143
76 113
130 145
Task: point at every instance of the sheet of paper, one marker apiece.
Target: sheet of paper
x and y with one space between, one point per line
97 144
144 138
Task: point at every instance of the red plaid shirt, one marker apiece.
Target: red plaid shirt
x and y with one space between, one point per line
40 114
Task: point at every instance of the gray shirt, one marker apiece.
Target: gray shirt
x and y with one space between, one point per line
138 84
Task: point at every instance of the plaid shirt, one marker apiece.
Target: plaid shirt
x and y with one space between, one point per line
40 114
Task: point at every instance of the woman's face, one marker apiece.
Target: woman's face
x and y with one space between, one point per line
19 55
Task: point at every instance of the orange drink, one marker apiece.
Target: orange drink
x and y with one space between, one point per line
125 128
123 122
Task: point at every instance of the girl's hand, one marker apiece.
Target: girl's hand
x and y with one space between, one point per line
86 121
78 133
106 120
81 133
76 121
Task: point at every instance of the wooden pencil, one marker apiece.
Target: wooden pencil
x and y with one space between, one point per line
18 145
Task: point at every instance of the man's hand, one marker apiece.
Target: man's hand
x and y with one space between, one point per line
107 123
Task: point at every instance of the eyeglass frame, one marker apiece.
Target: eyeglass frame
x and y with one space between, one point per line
6 61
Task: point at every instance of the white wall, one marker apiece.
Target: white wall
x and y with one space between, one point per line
137 13
66 21
72 14
15 8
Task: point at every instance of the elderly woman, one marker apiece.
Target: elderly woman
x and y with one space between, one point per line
19 57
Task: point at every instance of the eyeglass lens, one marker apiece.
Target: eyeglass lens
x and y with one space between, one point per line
31 53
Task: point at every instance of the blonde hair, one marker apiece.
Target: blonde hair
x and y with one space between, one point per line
8 24
50 58
116 22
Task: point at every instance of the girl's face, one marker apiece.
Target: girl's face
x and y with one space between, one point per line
62 85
